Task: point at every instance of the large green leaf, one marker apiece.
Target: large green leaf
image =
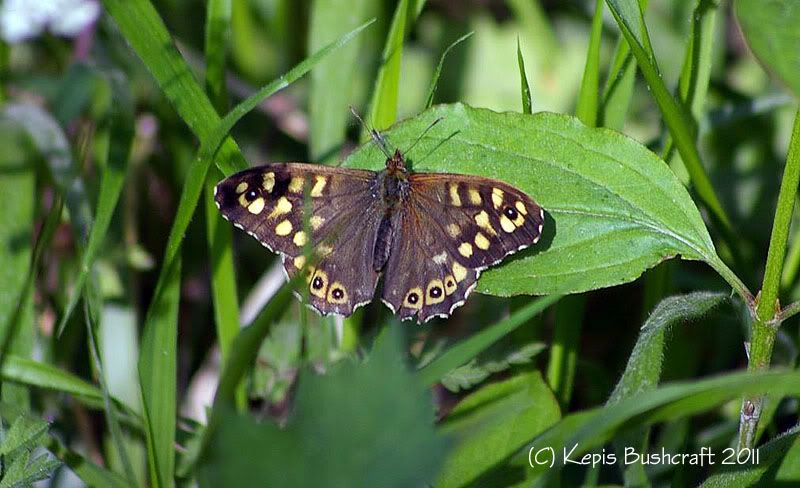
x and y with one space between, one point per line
488 425
771 29
613 208
360 425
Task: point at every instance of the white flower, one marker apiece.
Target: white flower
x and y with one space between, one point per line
23 19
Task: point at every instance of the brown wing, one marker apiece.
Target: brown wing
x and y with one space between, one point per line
451 228
269 203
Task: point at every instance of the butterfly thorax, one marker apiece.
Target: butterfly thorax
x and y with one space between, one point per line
394 191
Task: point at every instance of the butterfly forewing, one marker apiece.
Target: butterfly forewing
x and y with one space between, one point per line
269 203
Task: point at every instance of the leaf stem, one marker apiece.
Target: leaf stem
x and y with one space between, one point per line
767 315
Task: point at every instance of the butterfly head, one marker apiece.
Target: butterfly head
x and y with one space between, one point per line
396 166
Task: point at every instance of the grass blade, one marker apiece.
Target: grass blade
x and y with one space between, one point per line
629 18
113 179
525 89
157 378
219 236
18 257
332 80
465 350
586 109
383 107
564 349
438 71
619 87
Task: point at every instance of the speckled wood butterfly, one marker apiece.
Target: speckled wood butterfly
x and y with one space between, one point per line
430 234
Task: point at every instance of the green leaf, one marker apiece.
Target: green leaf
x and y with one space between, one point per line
612 208
589 430
631 22
42 375
772 453
25 433
643 371
525 89
474 372
359 425
90 473
157 378
468 349
489 425
770 27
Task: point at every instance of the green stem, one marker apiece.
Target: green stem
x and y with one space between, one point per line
767 315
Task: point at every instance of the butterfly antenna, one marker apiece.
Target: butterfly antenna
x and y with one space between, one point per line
376 136
422 135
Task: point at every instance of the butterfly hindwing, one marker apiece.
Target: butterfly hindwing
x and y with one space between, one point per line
269 203
422 278
339 275
453 227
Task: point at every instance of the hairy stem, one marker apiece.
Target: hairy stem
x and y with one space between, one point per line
767 315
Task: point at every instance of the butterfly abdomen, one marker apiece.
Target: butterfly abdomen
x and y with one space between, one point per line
383 243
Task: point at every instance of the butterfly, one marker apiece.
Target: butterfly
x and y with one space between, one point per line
428 234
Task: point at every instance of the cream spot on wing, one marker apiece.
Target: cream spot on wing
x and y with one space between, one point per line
299 262
324 250
296 184
440 258
474 197
269 181
481 241
497 197
256 206
454 230
455 198
521 207
284 228
319 185
482 219
316 221
449 284
465 249
242 187
300 239
459 272
283 206
507 224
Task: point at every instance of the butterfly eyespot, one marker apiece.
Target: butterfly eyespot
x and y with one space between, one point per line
435 294
413 299
511 213
337 293
319 284
251 195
